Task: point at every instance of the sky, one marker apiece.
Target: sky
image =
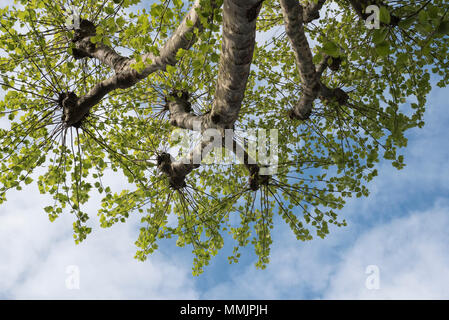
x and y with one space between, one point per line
396 244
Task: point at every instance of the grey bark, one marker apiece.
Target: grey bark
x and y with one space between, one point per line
312 11
312 87
180 112
239 35
294 27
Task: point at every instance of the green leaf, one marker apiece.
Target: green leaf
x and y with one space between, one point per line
317 58
189 23
385 16
423 17
171 69
331 49
443 28
109 10
379 35
407 23
383 48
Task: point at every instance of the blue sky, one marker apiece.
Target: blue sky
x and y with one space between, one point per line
402 228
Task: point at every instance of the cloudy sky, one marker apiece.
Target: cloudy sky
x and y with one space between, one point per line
396 245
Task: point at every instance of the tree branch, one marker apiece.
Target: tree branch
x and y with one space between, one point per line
84 48
294 26
312 11
255 179
179 40
333 95
180 110
176 171
239 35
126 76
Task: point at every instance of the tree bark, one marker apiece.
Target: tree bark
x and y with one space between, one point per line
181 115
239 36
312 11
294 27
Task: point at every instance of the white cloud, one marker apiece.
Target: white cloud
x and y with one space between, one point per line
35 255
411 254
6 3
297 270
107 271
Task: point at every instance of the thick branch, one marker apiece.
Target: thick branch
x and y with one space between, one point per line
312 11
126 76
180 110
105 54
183 38
121 80
333 95
239 35
322 66
176 171
85 48
294 26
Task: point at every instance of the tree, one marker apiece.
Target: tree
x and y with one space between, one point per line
103 91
